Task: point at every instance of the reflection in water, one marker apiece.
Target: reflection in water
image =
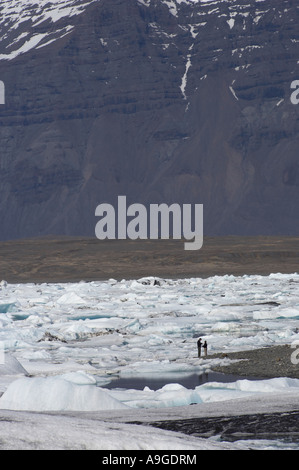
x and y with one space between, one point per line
187 381
203 378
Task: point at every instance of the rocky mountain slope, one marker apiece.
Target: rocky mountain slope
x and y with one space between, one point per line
161 100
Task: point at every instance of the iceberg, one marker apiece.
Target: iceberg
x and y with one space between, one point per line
65 393
11 366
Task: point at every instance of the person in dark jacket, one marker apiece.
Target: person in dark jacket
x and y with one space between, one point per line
199 344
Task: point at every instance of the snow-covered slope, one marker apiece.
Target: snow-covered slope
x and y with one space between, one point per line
28 24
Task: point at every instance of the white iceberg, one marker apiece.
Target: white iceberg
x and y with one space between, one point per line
64 393
11 366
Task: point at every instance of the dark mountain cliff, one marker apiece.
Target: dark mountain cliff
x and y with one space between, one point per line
162 101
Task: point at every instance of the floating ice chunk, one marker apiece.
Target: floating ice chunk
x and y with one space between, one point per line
36 355
177 395
56 394
11 366
8 308
267 386
71 298
168 396
215 391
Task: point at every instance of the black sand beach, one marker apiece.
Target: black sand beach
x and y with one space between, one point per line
270 362
269 426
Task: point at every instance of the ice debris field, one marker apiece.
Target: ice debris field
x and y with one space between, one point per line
67 346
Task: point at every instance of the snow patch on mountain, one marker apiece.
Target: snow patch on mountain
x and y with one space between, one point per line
22 21
33 24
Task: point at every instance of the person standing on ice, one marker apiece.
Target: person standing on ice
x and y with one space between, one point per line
205 348
199 347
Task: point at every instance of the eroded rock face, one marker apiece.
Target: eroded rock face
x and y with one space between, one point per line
184 102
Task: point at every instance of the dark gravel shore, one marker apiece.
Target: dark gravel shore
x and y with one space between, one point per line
281 426
267 362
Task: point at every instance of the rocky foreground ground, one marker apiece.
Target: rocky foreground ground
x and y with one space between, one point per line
270 426
270 362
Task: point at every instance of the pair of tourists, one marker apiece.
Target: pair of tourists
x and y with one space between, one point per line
200 345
